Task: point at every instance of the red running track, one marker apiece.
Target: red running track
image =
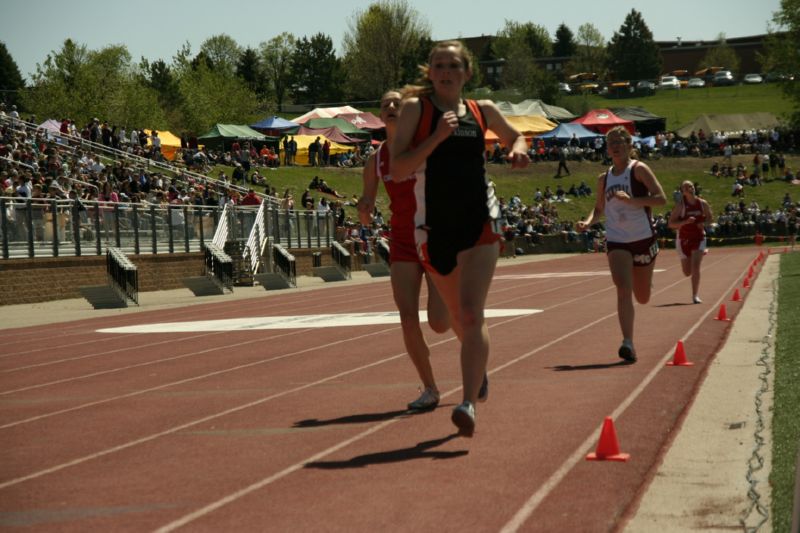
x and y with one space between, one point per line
304 428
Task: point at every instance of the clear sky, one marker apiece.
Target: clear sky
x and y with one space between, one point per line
31 29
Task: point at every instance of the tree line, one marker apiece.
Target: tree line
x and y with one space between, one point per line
383 47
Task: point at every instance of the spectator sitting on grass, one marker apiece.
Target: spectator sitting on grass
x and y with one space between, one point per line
319 184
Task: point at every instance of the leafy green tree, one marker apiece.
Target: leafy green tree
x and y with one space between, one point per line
414 57
276 55
378 45
534 37
565 42
519 44
316 72
222 53
78 83
11 82
590 51
781 53
212 97
632 52
720 55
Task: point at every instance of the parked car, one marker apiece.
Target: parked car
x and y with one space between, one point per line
564 88
645 87
777 76
669 82
723 78
695 83
752 78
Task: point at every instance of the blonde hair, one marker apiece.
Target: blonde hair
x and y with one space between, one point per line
624 134
422 85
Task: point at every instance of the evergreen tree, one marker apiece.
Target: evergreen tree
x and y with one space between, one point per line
250 70
565 42
632 52
11 82
316 72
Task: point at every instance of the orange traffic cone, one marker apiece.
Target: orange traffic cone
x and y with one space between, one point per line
723 314
750 273
608 447
679 359
746 283
736 296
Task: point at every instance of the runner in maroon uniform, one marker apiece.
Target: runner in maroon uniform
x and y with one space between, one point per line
406 268
689 217
440 142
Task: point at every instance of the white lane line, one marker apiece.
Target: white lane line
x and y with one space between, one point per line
182 521
580 451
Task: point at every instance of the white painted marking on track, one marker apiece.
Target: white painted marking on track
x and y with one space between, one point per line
293 322
548 275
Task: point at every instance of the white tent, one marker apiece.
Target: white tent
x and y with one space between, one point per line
535 108
324 112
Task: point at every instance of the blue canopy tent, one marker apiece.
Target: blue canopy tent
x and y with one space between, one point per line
275 126
564 132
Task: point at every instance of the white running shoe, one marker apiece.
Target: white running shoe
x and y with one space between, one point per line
464 418
428 400
696 300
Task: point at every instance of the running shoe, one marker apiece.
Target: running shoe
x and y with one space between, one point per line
428 400
627 352
464 418
483 393
696 299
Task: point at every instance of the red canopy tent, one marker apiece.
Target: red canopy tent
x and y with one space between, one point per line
364 121
333 134
602 120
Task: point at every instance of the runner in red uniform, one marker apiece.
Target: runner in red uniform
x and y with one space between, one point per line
689 217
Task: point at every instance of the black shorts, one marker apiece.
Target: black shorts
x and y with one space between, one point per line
644 252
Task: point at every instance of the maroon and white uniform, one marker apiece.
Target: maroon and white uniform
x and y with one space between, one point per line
629 227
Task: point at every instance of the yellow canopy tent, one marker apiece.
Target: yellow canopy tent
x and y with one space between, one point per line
170 144
301 158
528 125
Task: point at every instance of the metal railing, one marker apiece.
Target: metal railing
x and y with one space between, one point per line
284 263
47 227
342 259
219 267
122 275
256 241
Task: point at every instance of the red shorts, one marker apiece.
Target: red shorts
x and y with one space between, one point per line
402 248
644 252
489 235
686 247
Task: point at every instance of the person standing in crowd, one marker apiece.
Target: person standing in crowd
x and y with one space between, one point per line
406 269
627 192
440 142
689 217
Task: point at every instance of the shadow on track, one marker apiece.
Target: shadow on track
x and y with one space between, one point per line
419 451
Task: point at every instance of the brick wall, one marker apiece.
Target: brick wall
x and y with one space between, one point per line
57 278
